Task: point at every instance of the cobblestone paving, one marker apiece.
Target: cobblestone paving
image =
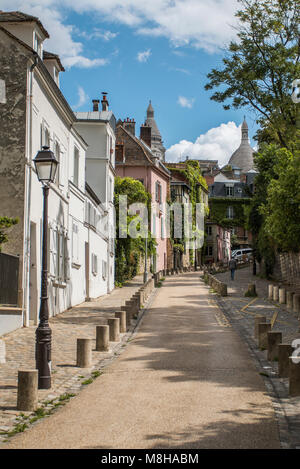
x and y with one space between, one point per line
241 311
78 322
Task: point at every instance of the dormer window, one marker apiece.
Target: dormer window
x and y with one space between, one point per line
229 190
38 44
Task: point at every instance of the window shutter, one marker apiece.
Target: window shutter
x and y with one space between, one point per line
53 253
75 253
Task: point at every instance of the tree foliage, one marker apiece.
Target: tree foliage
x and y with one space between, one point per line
5 223
260 66
128 250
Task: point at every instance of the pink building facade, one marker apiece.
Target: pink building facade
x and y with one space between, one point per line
135 159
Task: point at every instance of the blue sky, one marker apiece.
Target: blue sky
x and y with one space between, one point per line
136 51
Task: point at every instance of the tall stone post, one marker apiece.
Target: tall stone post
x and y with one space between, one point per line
114 329
84 353
258 320
294 377
27 399
284 353
274 339
275 293
282 296
102 338
289 301
263 329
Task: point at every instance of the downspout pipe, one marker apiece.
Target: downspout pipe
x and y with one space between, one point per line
27 208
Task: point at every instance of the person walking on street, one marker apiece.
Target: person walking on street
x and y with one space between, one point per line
232 267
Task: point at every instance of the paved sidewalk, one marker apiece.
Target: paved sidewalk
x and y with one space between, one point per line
287 409
186 380
77 322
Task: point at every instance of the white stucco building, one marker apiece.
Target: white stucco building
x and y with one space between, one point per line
80 248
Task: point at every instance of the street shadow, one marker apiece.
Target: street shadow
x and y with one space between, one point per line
241 429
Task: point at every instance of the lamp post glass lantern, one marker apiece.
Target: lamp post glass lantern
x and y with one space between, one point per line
46 166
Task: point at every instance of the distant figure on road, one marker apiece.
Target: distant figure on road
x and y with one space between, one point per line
232 267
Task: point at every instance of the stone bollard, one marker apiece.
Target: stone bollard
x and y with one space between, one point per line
27 390
257 320
263 329
284 353
275 293
281 296
294 377
289 301
296 303
102 338
270 292
84 353
122 316
114 329
274 339
223 289
2 352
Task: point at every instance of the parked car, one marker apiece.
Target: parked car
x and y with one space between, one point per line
240 254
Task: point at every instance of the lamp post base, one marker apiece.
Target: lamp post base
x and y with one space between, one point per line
43 356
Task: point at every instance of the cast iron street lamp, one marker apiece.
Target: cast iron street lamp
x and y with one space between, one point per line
46 166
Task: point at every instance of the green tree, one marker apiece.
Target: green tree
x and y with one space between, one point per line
128 250
282 210
5 223
260 67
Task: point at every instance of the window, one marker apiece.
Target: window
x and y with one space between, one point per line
94 264
154 225
230 212
57 156
58 256
38 44
162 228
104 270
75 244
229 190
45 136
209 251
209 230
76 167
158 192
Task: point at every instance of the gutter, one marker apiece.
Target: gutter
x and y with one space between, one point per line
27 207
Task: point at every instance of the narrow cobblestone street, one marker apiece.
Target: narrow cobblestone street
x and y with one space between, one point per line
66 328
185 380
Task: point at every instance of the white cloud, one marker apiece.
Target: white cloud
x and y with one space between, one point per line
143 56
83 62
61 41
82 98
216 144
202 24
185 102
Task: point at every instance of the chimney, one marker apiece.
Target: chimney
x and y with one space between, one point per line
145 134
129 125
96 104
104 102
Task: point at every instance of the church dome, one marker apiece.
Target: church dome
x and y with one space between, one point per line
243 156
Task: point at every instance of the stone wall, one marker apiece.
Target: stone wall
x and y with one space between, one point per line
13 73
287 268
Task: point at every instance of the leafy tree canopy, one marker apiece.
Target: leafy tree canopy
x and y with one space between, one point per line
261 65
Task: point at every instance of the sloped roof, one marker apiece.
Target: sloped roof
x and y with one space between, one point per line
18 17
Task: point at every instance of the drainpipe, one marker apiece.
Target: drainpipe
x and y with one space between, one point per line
27 208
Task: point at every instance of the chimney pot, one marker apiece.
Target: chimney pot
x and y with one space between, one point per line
96 104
